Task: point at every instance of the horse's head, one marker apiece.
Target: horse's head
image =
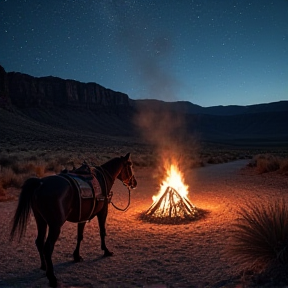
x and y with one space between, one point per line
126 174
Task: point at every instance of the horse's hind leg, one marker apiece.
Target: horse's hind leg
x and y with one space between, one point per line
54 232
42 228
102 215
80 229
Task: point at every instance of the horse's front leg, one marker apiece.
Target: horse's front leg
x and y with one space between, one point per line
80 230
102 215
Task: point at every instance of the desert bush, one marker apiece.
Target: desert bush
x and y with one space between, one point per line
260 234
266 163
21 167
39 169
29 167
64 159
53 166
10 179
215 160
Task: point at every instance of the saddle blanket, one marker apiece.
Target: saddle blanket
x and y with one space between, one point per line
85 187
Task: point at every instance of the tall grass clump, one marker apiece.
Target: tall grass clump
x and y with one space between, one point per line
267 163
10 179
260 234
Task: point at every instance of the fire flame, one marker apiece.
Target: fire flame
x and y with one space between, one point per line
175 180
172 204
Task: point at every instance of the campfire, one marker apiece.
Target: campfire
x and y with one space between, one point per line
172 205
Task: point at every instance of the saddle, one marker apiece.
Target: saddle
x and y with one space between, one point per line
87 185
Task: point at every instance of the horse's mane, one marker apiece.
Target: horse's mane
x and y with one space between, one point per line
111 162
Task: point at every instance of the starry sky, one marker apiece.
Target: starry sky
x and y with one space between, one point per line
208 52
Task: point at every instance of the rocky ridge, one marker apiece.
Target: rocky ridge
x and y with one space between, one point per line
25 91
76 106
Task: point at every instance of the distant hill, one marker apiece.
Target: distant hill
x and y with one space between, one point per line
48 104
261 124
190 108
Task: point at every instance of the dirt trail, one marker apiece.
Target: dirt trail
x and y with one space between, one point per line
146 254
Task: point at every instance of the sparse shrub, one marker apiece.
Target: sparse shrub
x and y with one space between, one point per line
22 167
266 163
39 169
260 235
53 166
10 179
215 160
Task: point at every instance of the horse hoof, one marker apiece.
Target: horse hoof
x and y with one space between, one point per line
78 259
53 282
108 253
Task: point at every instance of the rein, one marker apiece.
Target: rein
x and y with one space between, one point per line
99 168
126 208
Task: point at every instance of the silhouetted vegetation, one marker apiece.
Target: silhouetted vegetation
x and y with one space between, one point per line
260 234
269 163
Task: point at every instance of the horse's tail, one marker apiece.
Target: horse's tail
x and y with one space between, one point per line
23 210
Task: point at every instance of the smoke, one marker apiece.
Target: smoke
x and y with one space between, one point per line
151 53
167 133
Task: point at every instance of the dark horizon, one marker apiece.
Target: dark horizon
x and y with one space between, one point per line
155 99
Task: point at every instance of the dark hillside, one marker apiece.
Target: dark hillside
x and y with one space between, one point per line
50 109
269 128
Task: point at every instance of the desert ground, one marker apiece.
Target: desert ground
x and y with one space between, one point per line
148 254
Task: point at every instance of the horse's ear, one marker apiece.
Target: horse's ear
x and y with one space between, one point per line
127 157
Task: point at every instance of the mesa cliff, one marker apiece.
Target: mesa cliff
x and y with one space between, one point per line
25 91
77 107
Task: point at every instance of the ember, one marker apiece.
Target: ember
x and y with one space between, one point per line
172 205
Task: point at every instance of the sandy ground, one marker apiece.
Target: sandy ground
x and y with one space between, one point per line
146 254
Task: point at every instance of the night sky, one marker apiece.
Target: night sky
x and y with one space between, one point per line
208 52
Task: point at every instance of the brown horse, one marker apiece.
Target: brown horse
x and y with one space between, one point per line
54 200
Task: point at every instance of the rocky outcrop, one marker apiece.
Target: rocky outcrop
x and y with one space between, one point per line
23 91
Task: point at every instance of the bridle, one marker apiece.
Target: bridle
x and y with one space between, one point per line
127 169
127 184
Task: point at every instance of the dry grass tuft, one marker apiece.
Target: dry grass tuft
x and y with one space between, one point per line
269 163
15 169
10 179
260 235
53 165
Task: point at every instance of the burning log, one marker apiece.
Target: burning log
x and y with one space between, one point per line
172 205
